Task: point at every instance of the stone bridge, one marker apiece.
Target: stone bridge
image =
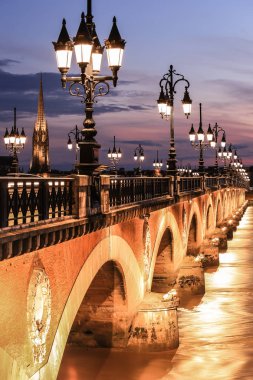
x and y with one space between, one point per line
104 270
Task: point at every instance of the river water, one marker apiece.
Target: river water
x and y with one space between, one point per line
216 331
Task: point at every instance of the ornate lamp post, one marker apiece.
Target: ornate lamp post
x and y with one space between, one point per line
215 145
200 140
233 157
76 133
165 103
15 142
157 164
139 156
114 156
89 85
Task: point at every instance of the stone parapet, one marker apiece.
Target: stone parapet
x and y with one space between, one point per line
81 199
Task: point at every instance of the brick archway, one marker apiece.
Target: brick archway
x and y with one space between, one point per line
210 225
164 273
102 318
115 249
195 232
219 212
169 231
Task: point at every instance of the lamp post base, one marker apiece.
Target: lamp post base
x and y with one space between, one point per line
14 165
172 167
89 157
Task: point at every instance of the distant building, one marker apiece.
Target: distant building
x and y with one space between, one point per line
40 150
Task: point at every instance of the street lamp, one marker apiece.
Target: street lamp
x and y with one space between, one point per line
233 156
219 148
200 140
15 142
114 156
77 135
139 156
166 109
157 164
89 85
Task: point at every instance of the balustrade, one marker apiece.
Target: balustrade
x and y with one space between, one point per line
24 200
190 184
125 190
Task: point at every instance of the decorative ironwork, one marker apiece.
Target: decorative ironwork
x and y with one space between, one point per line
166 109
114 156
139 156
88 85
200 143
15 142
189 184
124 190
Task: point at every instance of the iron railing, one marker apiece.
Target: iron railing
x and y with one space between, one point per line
190 184
125 190
216 182
29 199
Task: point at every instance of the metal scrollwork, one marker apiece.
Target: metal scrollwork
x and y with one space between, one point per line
78 89
101 89
90 90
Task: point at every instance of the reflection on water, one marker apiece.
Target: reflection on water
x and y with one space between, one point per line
216 332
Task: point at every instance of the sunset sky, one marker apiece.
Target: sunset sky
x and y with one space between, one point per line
210 42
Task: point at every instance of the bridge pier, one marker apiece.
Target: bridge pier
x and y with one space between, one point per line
155 326
190 279
209 253
219 238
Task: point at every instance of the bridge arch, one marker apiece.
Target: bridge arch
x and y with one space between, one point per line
195 230
115 251
226 204
168 251
209 218
102 318
164 273
219 212
233 199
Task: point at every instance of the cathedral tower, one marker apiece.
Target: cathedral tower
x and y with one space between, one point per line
40 152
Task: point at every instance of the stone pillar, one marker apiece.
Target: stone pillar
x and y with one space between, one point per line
81 200
105 195
190 279
203 183
177 185
219 238
209 253
155 326
171 186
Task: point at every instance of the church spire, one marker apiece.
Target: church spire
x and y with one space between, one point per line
41 115
40 154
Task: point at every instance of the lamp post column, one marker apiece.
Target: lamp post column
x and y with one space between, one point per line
216 165
201 159
89 84
172 162
89 147
166 109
